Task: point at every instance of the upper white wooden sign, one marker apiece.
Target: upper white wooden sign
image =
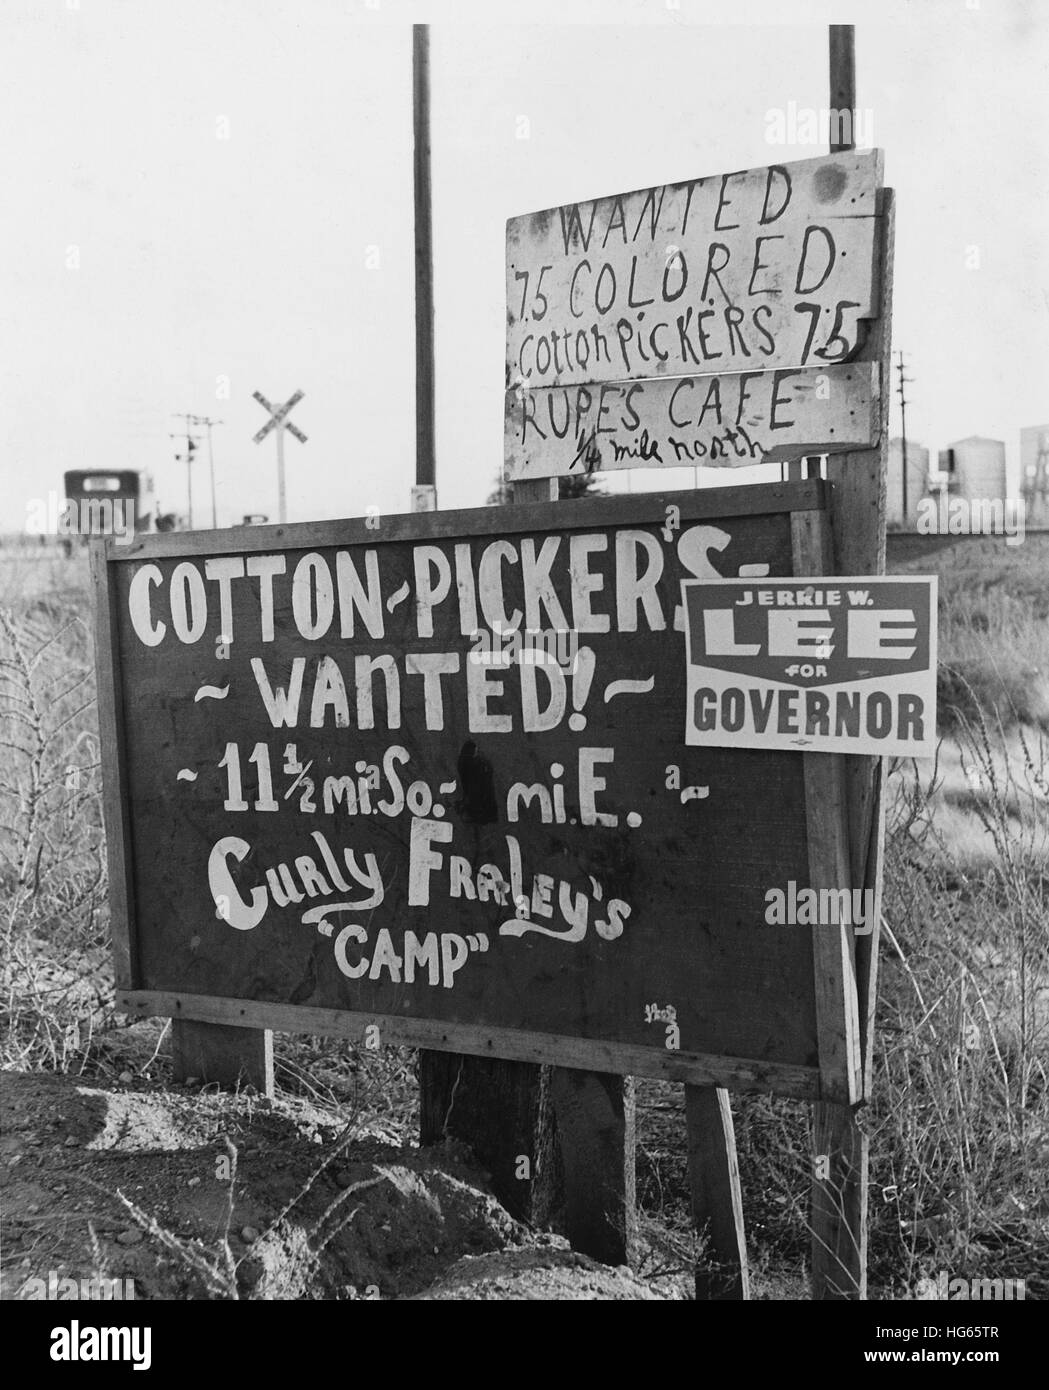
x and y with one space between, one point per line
768 268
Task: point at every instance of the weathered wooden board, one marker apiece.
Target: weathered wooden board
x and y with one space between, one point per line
770 267
331 808
249 1016
694 421
717 1200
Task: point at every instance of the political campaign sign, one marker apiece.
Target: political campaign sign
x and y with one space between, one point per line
841 664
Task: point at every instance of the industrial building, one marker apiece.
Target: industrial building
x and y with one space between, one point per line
975 469
1034 473
917 483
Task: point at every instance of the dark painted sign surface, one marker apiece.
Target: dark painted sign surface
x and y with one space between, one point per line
437 770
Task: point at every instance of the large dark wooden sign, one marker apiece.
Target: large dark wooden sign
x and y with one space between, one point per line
433 778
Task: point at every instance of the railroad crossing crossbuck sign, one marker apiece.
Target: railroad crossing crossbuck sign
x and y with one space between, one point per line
279 422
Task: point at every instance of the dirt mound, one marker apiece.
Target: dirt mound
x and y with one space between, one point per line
537 1274
193 1193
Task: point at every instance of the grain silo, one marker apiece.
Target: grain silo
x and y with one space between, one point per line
979 469
917 482
1034 473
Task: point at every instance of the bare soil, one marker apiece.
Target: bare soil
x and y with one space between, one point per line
193 1193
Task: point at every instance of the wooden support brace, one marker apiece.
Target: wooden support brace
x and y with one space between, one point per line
223 1054
501 1110
717 1207
595 1126
839 1203
839 1173
830 867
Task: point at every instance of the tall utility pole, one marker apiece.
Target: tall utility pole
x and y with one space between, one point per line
204 420
842 86
191 446
903 382
425 459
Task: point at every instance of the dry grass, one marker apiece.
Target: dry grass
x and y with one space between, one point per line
960 1116
994 632
56 989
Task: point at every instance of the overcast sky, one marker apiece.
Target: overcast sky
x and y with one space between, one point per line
204 198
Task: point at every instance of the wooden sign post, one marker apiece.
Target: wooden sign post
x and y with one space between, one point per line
840 1148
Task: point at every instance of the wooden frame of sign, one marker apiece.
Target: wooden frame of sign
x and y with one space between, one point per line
168 709
176 956
160 751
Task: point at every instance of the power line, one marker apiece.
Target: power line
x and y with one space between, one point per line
903 382
191 447
207 422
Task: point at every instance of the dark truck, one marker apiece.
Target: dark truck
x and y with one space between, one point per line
100 495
